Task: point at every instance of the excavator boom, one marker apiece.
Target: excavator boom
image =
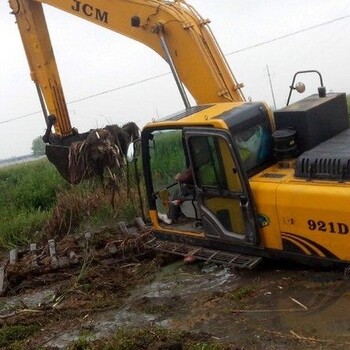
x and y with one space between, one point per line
190 46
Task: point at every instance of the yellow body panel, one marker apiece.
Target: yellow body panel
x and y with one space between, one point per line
232 206
264 188
318 212
313 215
265 203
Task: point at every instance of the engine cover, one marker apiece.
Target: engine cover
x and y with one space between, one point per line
330 160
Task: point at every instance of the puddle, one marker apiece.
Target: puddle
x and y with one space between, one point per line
284 305
173 280
30 300
100 326
178 279
326 316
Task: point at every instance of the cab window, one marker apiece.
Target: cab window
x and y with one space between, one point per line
207 161
254 145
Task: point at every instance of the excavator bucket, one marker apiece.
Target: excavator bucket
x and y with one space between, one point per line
58 155
82 156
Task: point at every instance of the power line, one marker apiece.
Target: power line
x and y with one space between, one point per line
164 74
91 96
287 35
119 88
21 117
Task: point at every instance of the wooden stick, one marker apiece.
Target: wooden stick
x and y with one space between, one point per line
268 310
299 303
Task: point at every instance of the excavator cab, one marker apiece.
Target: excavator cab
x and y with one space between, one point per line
221 157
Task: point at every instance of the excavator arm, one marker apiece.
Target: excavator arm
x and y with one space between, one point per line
173 29
197 59
43 69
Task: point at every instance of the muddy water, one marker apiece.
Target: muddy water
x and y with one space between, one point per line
325 319
30 301
309 307
285 309
326 314
179 279
173 282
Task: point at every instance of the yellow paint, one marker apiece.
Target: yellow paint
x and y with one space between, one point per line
291 203
159 226
233 209
198 60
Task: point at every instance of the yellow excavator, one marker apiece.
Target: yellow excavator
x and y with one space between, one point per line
264 184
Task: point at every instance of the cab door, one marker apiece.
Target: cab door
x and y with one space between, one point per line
222 190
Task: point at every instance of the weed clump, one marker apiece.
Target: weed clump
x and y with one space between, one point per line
38 204
15 333
152 338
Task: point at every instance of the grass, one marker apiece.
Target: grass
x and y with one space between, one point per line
30 185
241 293
27 196
167 156
152 338
20 226
14 334
37 204
83 342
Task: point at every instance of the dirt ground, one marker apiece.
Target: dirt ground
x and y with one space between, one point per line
141 299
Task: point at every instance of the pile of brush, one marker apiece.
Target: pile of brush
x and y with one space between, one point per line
103 149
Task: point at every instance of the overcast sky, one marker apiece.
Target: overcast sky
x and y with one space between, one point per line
93 60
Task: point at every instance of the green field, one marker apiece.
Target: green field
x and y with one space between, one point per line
36 203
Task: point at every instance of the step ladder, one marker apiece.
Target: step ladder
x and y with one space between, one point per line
212 255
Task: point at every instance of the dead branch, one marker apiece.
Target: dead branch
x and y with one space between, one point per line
268 310
15 313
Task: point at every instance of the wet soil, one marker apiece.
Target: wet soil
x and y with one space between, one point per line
274 306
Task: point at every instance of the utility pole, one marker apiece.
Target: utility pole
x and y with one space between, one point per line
273 95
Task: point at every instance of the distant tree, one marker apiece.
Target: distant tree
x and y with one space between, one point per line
38 147
348 100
